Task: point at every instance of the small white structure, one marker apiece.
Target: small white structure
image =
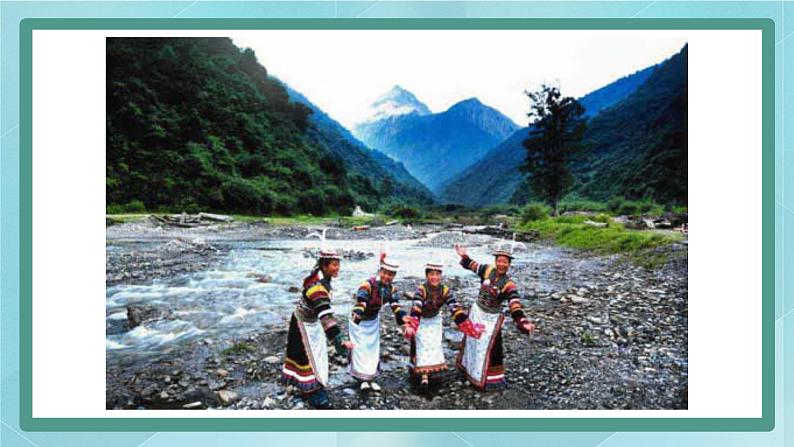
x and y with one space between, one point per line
358 212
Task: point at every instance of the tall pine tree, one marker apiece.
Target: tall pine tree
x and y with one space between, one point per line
554 136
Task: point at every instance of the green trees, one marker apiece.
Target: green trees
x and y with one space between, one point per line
197 124
554 136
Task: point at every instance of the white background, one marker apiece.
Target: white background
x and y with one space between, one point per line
442 67
724 258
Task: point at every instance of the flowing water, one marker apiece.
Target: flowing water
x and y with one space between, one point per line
232 300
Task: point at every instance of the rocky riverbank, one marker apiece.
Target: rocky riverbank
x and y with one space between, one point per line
610 335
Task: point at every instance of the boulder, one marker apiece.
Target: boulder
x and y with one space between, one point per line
227 397
138 314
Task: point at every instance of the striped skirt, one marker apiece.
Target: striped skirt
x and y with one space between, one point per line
306 364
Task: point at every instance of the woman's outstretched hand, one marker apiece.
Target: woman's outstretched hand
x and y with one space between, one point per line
410 327
348 345
460 250
526 326
471 329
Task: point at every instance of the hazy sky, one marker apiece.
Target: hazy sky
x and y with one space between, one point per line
344 71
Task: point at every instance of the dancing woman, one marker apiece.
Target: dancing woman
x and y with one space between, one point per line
306 364
364 323
427 354
481 359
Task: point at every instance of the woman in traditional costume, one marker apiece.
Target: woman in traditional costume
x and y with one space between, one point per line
364 323
481 359
312 323
427 354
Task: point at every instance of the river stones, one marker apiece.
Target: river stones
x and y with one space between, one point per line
636 318
227 397
138 314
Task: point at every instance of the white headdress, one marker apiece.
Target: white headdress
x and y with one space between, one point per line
383 263
325 251
433 265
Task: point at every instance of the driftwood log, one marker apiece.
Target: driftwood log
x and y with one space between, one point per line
524 236
185 220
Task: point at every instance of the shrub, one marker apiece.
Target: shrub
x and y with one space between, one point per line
619 205
629 208
448 208
114 209
404 211
500 209
614 204
246 196
189 206
581 205
534 212
134 206
313 202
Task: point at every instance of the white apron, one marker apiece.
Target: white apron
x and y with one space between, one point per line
316 349
429 351
474 358
365 356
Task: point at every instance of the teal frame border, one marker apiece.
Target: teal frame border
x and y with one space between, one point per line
765 423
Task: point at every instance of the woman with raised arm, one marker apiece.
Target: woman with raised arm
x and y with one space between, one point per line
481 359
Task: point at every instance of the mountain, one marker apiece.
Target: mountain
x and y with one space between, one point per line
395 102
364 164
624 121
607 96
197 124
638 148
435 147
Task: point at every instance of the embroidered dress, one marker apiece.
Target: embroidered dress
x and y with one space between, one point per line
364 326
427 354
482 360
312 323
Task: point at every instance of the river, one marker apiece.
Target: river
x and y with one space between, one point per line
602 324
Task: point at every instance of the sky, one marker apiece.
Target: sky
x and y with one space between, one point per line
344 71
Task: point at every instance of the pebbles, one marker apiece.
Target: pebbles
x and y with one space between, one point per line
609 336
350 255
135 265
227 397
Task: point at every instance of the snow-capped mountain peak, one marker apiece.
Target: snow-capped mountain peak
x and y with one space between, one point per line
397 101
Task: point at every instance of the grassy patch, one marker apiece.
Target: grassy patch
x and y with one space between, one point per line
128 217
304 219
247 218
238 348
581 205
571 231
621 206
588 339
132 217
